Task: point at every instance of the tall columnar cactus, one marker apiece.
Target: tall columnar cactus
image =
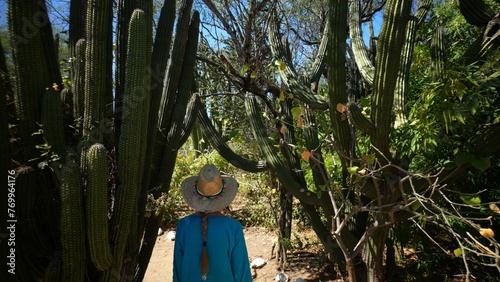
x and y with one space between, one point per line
30 68
97 76
392 38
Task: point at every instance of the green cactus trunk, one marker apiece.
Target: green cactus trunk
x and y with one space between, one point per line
392 38
337 92
52 122
30 69
401 91
78 84
72 226
97 77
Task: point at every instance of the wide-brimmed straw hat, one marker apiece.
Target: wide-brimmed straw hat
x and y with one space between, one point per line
209 191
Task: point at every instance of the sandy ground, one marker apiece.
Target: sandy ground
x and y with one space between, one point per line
259 244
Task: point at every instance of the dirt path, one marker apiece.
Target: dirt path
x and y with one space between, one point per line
259 244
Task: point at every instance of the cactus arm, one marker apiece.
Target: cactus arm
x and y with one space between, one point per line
175 65
96 67
359 49
336 74
319 63
49 48
438 56
167 100
184 90
77 18
215 139
475 12
72 226
357 118
485 43
406 54
388 61
273 160
78 82
288 74
190 119
52 122
96 207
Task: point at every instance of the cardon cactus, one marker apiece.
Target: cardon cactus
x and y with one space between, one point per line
87 184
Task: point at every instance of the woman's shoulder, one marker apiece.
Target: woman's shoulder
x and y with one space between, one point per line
228 221
192 218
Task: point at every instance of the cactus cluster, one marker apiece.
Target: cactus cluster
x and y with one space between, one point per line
82 185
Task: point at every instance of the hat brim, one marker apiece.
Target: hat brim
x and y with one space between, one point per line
208 204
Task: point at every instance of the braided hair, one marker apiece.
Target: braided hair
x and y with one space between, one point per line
204 256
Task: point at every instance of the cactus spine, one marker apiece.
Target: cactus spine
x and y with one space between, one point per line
96 207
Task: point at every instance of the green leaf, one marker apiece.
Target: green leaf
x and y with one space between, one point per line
365 102
244 69
471 200
464 158
281 65
296 111
369 158
233 133
352 169
42 165
482 164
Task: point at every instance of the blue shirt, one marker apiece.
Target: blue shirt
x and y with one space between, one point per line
226 249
